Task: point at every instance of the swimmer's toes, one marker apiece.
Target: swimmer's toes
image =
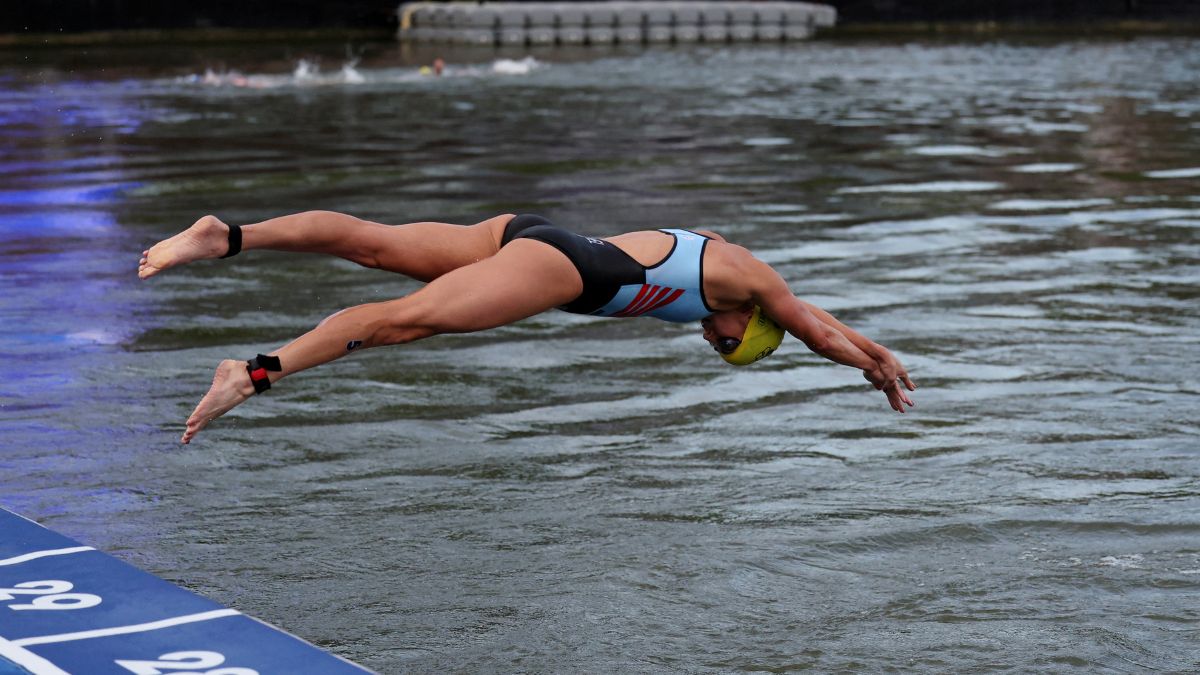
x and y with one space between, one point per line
164 258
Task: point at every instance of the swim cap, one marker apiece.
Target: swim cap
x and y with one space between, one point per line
762 337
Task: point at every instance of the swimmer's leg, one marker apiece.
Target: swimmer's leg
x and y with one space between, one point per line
423 250
525 278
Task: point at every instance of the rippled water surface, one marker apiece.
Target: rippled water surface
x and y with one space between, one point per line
1017 220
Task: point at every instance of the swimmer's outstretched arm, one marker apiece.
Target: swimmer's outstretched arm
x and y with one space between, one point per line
879 366
892 369
827 336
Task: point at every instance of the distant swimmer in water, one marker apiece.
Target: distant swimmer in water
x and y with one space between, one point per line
509 268
436 69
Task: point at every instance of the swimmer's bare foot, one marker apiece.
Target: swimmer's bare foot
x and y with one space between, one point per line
231 385
206 238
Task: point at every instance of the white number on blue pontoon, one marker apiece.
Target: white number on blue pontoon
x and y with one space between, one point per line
49 594
175 662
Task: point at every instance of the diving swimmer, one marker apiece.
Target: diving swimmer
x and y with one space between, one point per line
509 268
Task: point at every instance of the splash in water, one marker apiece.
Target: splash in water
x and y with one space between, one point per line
512 67
350 74
307 73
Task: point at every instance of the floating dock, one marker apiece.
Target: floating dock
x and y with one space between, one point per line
608 23
67 608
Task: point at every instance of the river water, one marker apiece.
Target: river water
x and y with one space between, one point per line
1017 220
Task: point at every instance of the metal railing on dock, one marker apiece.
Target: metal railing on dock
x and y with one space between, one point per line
607 23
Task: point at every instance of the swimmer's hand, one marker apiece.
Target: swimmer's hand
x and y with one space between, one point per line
887 377
892 369
231 386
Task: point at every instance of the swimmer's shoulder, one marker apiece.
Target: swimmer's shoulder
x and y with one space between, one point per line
659 235
711 235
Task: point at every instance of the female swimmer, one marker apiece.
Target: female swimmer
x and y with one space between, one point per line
508 268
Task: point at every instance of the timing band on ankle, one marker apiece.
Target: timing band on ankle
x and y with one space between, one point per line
235 241
258 367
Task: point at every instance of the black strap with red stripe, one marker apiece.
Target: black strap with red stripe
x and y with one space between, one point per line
258 367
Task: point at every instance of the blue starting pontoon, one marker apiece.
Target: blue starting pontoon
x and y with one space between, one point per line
68 608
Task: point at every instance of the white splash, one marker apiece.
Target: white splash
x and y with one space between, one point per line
306 73
305 70
512 67
350 74
230 78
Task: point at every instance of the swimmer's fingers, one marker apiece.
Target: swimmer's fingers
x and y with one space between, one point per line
894 370
903 378
897 398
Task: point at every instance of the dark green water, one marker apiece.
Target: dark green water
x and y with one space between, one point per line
1017 220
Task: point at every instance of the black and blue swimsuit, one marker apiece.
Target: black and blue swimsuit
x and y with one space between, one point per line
614 284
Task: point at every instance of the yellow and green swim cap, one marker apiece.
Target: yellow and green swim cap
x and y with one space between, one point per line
762 337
